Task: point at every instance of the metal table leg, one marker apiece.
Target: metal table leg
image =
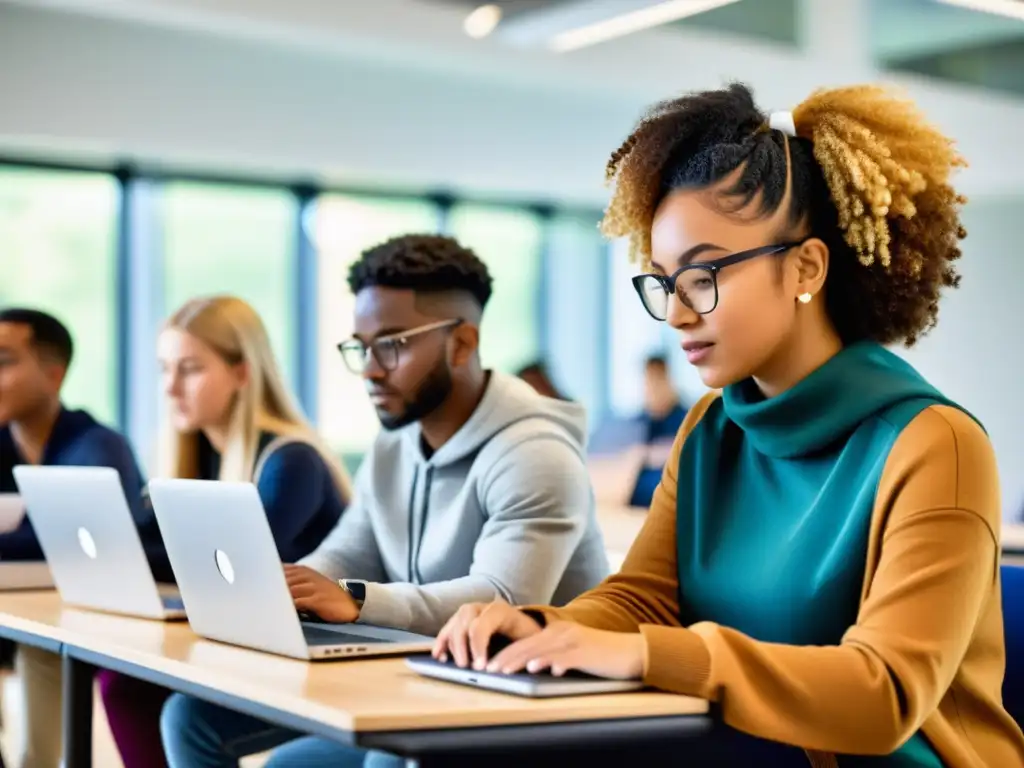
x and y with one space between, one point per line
77 711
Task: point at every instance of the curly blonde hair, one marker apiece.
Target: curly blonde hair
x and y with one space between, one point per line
870 176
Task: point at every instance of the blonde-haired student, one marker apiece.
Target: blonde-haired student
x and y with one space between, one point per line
230 417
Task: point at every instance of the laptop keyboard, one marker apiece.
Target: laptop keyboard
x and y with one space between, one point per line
323 636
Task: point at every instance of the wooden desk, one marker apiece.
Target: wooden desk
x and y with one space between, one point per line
373 703
1013 539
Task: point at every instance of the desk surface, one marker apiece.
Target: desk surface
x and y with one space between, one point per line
1013 538
354 696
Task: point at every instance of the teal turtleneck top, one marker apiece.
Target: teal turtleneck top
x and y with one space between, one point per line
774 503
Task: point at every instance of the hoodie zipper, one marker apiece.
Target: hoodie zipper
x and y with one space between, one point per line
423 523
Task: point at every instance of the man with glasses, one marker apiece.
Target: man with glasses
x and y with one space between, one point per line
476 489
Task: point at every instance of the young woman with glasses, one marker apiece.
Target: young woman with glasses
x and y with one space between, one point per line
821 558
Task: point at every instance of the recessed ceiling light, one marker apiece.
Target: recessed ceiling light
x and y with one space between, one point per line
1012 8
482 21
647 15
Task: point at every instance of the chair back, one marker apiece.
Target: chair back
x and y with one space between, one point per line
1012 577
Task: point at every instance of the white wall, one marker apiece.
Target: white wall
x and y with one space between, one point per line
390 92
70 83
976 354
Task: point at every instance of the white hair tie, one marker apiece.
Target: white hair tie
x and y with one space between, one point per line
782 121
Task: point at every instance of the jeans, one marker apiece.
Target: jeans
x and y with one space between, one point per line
197 734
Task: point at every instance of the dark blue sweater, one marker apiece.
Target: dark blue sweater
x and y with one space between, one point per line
299 495
77 440
301 500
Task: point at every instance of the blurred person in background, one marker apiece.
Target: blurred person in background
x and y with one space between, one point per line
536 375
628 455
36 351
660 421
232 418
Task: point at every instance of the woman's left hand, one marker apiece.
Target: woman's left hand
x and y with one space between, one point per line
565 645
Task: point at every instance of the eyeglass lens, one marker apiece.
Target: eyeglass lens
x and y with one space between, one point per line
696 288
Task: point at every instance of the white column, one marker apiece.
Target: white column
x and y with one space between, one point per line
145 316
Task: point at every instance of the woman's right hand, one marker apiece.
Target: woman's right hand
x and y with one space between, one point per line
468 633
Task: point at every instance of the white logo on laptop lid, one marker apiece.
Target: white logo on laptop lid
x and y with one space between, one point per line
227 571
87 543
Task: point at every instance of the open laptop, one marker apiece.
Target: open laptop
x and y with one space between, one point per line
535 686
228 569
88 536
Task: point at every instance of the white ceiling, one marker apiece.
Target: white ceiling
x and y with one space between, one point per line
508 100
427 35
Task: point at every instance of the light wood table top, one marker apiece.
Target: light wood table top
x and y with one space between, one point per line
1013 538
352 696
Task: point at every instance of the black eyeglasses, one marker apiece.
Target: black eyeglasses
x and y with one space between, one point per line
696 285
386 349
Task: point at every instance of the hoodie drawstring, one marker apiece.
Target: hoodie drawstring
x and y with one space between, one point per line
423 523
412 515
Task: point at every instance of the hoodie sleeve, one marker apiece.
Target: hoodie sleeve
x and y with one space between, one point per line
538 504
350 550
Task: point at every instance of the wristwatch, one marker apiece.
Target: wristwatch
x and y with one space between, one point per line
356 590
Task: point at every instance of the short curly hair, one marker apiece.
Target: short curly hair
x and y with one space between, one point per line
422 263
870 177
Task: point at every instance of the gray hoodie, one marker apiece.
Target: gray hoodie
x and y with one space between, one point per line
503 509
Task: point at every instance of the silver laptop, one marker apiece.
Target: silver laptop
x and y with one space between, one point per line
88 536
227 566
538 686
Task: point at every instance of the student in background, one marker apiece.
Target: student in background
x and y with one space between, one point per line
660 422
231 418
537 376
476 489
821 559
628 455
35 428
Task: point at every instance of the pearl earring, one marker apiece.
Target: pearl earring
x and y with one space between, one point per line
804 298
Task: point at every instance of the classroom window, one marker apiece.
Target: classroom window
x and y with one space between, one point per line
633 335
342 227
510 242
58 234
577 317
233 239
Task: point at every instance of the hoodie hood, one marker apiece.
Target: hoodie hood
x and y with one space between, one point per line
506 401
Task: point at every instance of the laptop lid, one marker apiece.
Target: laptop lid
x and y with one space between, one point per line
226 563
88 536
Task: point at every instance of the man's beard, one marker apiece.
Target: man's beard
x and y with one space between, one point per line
431 394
